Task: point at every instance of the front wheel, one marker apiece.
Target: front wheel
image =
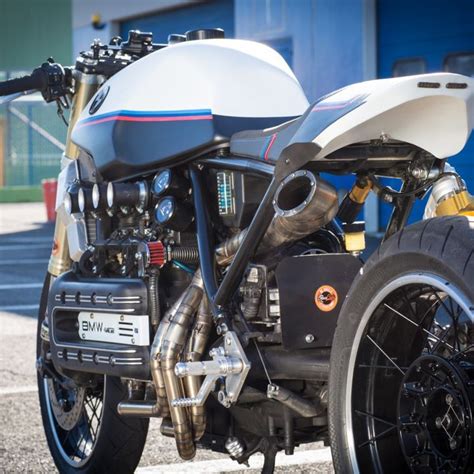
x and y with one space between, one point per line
401 379
84 432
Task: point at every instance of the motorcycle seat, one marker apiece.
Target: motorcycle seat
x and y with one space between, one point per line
265 144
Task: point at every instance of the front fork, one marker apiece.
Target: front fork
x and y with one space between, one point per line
86 86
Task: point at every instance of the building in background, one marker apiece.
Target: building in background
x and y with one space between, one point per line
328 43
32 31
30 133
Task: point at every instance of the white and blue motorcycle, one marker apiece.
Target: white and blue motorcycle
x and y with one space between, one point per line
204 272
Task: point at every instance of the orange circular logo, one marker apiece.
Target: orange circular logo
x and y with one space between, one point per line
326 298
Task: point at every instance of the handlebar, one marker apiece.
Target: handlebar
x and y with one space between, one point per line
36 80
51 79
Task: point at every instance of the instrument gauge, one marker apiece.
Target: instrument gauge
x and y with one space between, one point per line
165 209
161 182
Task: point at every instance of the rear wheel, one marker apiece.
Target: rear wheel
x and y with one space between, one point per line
402 363
85 434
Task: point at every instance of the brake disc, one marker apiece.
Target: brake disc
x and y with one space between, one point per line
67 405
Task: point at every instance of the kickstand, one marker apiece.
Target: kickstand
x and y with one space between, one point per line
269 452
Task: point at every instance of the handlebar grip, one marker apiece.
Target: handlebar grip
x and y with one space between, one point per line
37 80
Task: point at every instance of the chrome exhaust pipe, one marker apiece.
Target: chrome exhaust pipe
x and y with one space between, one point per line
138 408
226 250
195 348
303 203
171 347
160 407
168 344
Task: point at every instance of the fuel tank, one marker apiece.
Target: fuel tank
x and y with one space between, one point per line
182 101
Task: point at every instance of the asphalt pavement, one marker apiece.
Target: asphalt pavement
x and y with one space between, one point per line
25 243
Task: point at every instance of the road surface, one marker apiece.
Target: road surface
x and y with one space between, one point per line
25 242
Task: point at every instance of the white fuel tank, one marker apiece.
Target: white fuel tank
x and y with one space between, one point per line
234 78
184 98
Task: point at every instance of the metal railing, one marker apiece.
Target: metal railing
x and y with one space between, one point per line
32 139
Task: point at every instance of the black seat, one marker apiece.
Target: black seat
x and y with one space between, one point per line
265 144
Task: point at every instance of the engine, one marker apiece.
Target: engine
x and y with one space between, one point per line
133 305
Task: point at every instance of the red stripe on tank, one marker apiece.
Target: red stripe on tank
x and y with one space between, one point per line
265 157
123 118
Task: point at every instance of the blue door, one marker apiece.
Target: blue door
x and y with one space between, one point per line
418 36
212 14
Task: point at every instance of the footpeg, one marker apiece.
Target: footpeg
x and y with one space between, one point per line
228 361
186 402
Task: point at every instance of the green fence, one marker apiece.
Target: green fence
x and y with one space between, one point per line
33 141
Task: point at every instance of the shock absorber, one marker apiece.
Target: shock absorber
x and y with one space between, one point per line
449 196
354 200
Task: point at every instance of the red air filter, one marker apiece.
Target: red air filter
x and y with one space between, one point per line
156 251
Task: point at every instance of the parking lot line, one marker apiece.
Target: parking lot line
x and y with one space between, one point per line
21 286
30 261
227 465
25 247
17 390
19 307
26 240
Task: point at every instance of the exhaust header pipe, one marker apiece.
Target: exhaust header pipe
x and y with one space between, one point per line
303 203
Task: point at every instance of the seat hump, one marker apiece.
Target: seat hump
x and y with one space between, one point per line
267 144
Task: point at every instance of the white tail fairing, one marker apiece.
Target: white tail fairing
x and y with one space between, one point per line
432 111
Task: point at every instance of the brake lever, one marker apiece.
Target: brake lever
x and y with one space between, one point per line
9 98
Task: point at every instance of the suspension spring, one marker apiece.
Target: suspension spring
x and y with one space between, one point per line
184 254
154 296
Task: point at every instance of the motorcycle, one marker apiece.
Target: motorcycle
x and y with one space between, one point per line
205 271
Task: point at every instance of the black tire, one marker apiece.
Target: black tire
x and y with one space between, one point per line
119 442
439 249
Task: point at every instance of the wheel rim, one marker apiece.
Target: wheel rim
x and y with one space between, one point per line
415 322
75 418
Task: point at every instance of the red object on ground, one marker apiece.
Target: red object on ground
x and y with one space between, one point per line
50 187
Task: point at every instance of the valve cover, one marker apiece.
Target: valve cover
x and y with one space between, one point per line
104 305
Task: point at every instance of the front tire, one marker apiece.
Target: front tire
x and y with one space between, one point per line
84 432
401 381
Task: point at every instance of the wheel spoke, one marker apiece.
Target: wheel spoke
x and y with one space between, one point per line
376 418
78 442
406 318
439 299
426 402
382 367
386 355
377 437
427 312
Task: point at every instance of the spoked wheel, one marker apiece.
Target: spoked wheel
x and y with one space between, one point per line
85 434
75 415
402 364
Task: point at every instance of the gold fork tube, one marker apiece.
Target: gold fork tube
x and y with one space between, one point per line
195 348
86 86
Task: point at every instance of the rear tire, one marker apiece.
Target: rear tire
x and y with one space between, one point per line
403 356
99 439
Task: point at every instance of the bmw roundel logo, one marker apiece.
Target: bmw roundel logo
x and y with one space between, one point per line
98 100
